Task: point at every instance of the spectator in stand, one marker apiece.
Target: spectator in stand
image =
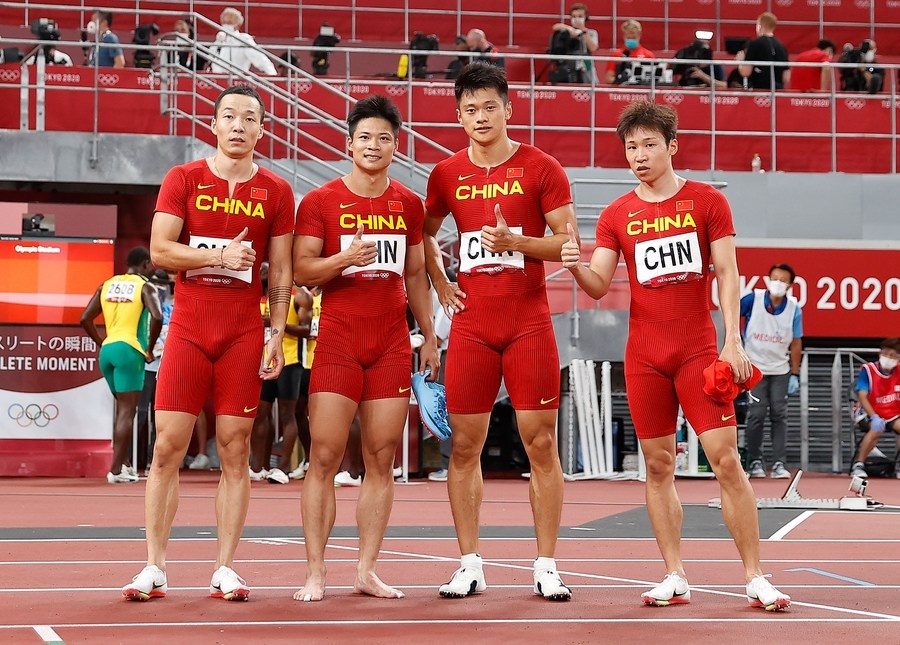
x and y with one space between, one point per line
187 54
879 402
692 75
237 49
631 33
766 48
457 64
864 77
110 56
478 43
814 79
581 41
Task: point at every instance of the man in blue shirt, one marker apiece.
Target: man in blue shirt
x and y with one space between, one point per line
110 55
772 329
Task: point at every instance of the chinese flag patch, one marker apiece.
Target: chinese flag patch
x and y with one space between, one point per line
395 206
259 193
513 173
684 205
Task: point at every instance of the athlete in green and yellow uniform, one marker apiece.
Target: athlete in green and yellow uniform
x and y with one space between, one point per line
133 318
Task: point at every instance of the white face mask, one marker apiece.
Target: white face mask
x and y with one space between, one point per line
887 363
869 56
229 28
778 288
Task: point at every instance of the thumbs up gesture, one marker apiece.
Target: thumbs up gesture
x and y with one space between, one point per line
499 238
570 254
237 256
361 253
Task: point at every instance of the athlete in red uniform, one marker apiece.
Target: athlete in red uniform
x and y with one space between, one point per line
360 237
216 220
669 230
503 195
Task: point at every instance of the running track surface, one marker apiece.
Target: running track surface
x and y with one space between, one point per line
68 545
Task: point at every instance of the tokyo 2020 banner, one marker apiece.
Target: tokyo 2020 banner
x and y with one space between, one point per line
51 386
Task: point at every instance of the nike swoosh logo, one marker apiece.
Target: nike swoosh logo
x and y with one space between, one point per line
246 409
348 205
730 416
630 214
403 389
464 177
156 586
202 187
546 401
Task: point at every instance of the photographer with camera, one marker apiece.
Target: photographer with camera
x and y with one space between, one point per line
46 29
865 77
237 48
693 74
486 51
571 40
621 72
99 31
325 39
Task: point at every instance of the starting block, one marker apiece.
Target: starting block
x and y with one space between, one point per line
793 499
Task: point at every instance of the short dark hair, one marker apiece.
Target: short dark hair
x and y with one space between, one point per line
105 16
890 343
481 75
159 276
137 256
650 116
242 90
827 44
784 267
579 6
377 107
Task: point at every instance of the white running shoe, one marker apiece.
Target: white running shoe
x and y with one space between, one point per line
464 582
779 471
398 472
258 476
673 590
438 475
756 470
859 470
124 477
300 471
149 583
201 462
131 470
344 478
277 476
227 584
549 585
761 593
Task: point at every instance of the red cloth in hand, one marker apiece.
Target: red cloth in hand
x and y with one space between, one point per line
718 381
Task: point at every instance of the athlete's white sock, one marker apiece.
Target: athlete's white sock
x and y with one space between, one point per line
471 561
545 564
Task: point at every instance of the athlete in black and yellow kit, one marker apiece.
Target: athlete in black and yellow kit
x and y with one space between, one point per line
133 317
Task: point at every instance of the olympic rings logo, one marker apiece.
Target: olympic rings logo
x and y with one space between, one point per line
581 97
26 415
674 99
855 104
108 80
9 75
762 101
396 90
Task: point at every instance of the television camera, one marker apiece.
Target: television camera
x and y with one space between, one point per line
144 58
325 39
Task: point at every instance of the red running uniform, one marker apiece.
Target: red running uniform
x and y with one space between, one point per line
363 350
215 335
505 328
671 337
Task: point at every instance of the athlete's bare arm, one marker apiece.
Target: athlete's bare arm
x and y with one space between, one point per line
91 311
303 301
499 238
724 259
418 291
449 294
299 330
311 268
595 278
166 251
150 300
279 299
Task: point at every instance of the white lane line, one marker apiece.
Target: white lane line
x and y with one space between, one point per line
790 526
48 635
